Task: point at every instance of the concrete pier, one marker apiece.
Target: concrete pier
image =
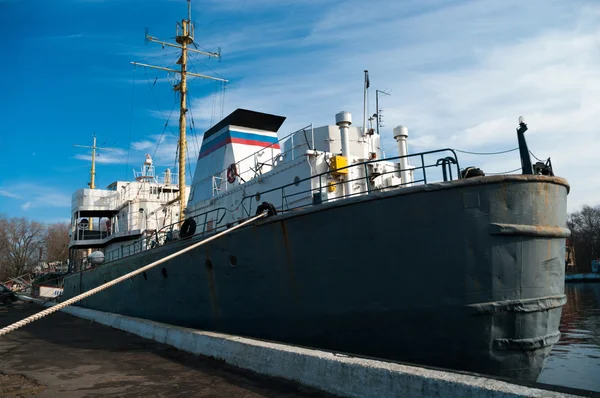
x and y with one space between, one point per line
65 356
333 373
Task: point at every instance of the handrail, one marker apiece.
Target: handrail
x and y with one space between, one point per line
122 278
194 216
279 141
365 164
280 155
154 240
161 236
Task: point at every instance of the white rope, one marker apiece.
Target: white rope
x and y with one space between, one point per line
89 293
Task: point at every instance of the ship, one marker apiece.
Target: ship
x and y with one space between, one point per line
408 258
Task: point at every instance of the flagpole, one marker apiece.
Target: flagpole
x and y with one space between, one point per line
365 103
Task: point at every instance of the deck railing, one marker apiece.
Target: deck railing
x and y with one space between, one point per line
443 165
252 166
206 222
212 221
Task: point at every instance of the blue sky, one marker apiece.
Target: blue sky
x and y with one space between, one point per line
460 74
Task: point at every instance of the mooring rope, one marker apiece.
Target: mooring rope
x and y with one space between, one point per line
89 293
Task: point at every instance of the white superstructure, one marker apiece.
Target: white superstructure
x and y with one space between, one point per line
111 219
242 164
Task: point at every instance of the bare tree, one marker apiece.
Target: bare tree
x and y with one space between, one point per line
21 242
3 249
585 236
56 242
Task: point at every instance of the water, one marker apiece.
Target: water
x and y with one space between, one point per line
575 359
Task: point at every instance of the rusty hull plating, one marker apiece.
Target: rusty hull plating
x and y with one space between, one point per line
466 274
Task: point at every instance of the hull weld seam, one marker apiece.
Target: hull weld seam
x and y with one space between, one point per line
530 344
538 231
525 305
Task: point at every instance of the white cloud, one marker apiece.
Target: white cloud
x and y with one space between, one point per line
116 156
38 195
56 37
9 194
163 149
461 73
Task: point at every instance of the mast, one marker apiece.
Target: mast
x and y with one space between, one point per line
93 172
92 183
367 84
94 148
184 38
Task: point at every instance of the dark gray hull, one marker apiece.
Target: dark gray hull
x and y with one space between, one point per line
467 275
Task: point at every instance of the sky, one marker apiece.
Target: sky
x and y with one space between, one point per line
460 73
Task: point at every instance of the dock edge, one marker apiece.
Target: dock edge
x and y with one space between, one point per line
334 373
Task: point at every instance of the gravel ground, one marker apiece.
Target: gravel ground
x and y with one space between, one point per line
65 356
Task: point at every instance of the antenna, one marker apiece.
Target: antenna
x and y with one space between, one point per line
379 115
94 148
367 85
184 39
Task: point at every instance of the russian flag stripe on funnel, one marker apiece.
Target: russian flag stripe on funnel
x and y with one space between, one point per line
238 137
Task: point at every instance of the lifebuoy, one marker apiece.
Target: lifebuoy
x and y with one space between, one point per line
231 173
188 228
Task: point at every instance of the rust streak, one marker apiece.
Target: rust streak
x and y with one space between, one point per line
214 303
288 253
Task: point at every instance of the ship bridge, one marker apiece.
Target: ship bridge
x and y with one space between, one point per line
125 209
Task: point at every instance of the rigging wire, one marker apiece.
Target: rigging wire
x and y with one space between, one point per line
188 169
190 127
214 101
538 159
486 153
195 57
160 110
224 86
193 131
14 326
189 108
130 121
202 48
219 91
506 172
176 158
167 120
165 127
214 106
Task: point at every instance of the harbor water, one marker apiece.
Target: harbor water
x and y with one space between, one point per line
575 359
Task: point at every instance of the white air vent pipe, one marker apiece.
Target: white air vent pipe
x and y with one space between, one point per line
400 135
343 120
